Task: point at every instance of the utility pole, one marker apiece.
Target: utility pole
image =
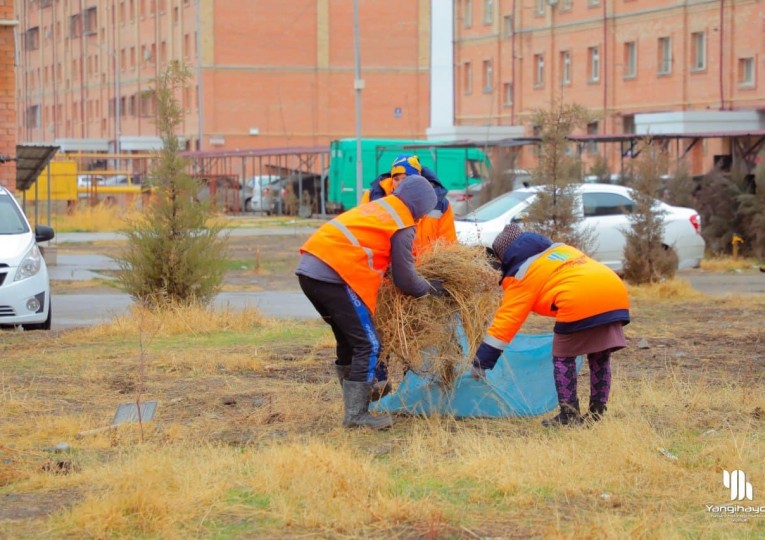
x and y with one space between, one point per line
358 85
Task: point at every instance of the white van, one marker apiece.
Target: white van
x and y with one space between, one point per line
24 283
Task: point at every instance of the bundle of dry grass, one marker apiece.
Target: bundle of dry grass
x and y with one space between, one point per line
421 334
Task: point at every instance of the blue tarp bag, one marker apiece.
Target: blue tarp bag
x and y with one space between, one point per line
521 384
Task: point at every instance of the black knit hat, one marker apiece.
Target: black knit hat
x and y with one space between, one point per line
509 234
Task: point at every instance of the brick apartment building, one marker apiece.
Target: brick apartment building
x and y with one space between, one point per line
7 92
270 74
658 66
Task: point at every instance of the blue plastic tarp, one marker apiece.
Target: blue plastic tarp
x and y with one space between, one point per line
521 384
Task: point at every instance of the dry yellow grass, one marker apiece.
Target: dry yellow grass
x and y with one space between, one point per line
724 264
419 333
247 440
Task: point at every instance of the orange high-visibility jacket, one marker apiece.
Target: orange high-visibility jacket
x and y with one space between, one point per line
564 283
438 223
356 244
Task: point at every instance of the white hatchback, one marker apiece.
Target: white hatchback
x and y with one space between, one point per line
24 283
604 209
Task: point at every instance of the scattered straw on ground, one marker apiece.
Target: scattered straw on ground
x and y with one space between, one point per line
421 334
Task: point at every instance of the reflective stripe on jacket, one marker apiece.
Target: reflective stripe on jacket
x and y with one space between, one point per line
564 283
438 223
356 244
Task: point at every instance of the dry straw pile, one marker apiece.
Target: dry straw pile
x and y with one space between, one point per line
421 333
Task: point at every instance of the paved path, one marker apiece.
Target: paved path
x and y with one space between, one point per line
71 310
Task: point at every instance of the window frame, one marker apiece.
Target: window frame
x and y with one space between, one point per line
630 59
593 55
698 51
664 56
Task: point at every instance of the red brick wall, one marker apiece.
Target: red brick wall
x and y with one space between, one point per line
7 100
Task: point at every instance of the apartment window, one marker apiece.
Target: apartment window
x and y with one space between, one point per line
488 76
467 78
630 60
123 59
142 8
153 52
75 26
32 38
592 129
131 11
132 56
163 52
147 103
122 12
566 5
488 11
698 51
539 70
32 116
131 106
594 55
162 6
746 71
91 21
665 55
176 15
507 93
539 7
186 46
565 68
123 106
45 3
593 3
507 25
468 17
145 54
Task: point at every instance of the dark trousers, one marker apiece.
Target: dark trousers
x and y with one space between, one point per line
351 323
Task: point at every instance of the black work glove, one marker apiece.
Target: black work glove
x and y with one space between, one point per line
437 288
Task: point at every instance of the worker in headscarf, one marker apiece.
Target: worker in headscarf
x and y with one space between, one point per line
588 301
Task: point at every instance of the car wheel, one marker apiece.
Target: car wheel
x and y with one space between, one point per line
248 205
44 325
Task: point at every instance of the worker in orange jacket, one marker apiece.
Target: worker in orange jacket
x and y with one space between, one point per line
341 269
587 299
436 224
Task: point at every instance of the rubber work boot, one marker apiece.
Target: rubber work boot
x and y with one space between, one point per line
342 373
379 389
596 412
568 416
356 400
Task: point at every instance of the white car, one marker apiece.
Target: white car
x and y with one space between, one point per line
24 283
604 209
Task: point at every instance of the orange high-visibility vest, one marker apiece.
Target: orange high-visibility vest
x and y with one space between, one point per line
356 244
434 225
560 282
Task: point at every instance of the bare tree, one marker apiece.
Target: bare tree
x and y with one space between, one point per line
646 258
554 211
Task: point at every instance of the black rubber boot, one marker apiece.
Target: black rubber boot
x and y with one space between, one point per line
356 400
596 412
342 373
569 416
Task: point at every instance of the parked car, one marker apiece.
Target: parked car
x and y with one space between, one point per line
228 193
463 201
24 282
265 191
604 209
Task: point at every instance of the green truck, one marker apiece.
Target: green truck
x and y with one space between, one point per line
457 168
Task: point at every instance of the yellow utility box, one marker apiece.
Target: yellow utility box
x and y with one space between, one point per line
63 183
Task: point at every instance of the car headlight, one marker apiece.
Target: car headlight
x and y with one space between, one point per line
30 264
